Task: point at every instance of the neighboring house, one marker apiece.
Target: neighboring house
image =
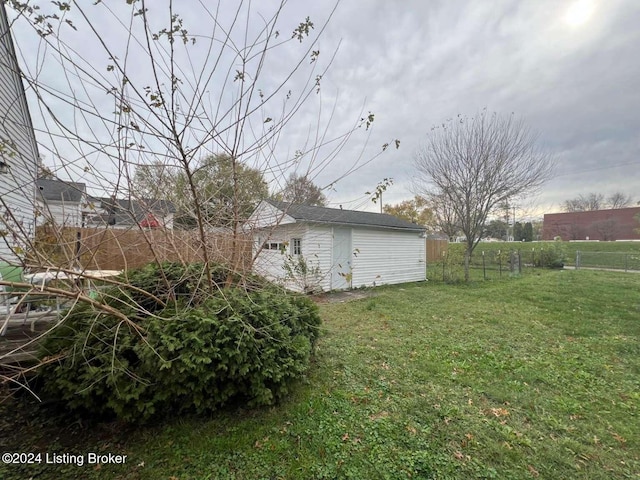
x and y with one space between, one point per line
60 203
18 154
317 248
127 214
605 225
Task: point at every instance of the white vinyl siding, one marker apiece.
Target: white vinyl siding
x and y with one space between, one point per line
387 256
316 242
18 149
67 214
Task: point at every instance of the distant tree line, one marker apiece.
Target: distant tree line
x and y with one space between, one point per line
597 201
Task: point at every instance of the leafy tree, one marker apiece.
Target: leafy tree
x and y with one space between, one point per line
496 229
475 164
518 232
416 210
527 234
300 189
214 185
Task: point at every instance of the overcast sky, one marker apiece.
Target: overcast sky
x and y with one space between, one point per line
569 68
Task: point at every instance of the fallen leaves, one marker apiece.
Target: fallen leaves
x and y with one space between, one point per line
497 412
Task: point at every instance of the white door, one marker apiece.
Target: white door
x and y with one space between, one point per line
341 271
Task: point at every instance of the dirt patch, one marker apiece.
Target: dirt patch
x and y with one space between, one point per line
341 297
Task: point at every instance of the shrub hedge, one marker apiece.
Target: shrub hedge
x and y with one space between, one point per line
182 350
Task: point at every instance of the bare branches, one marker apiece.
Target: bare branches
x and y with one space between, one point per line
597 201
470 165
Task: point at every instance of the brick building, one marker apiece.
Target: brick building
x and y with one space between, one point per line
606 225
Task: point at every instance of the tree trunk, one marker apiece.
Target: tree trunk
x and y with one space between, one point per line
467 260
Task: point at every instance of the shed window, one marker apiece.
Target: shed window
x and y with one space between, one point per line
273 246
297 246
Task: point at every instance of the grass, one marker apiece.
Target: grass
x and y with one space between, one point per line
532 377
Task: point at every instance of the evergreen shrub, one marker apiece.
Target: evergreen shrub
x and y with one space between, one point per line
182 350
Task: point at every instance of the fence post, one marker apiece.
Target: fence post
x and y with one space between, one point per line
577 259
500 262
444 261
533 257
626 262
484 270
519 262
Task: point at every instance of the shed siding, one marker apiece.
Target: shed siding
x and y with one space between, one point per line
317 249
270 263
387 257
18 149
266 215
68 214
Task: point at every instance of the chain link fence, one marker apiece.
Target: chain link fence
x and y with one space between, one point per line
608 260
494 264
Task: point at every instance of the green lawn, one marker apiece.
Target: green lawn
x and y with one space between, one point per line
529 377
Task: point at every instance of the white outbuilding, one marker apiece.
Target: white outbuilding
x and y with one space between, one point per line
308 248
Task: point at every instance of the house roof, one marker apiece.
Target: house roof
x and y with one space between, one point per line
339 216
59 191
138 208
130 212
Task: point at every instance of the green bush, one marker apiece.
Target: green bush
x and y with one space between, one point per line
449 269
182 352
553 256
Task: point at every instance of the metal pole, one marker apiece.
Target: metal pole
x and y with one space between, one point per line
484 270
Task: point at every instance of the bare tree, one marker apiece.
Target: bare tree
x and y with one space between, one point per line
608 229
597 201
619 200
445 216
584 203
474 164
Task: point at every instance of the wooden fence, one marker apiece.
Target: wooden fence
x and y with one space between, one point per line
436 249
114 249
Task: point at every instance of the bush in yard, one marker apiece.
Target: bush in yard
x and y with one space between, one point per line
552 256
183 351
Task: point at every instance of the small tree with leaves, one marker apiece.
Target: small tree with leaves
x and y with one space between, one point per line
301 189
417 210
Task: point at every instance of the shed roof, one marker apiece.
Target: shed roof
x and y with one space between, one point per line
343 217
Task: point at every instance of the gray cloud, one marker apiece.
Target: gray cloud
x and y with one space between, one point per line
416 63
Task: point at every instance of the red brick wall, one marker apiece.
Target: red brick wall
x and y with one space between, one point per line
618 224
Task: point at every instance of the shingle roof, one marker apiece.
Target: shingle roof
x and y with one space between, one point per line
59 191
343 217
129 212
139 208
